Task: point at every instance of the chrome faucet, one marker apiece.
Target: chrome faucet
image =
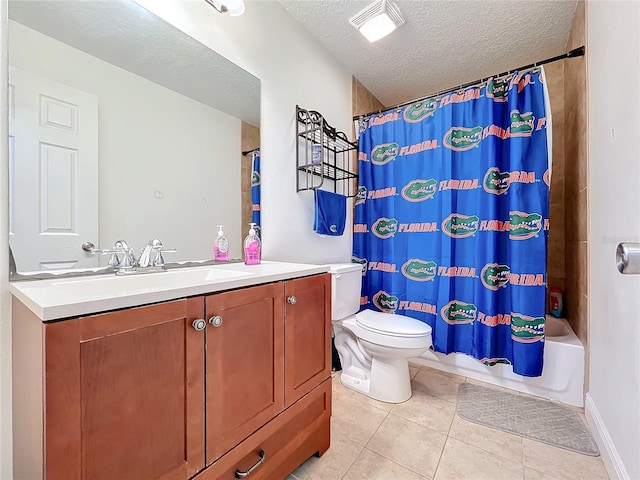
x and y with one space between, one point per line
122 259
151 257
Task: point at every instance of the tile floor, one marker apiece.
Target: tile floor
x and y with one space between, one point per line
423 438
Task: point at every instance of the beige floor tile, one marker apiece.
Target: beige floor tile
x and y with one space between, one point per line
413 371
494 441
490 385
409 444
371 466
463 461
333 464
428 411
531 474
442 372
437 384
356 421
340 390
562 463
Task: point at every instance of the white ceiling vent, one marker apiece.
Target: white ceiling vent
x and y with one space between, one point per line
377 20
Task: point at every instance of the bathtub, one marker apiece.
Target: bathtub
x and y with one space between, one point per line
562 376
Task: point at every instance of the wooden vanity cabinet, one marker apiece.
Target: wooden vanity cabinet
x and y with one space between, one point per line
122 395
130 394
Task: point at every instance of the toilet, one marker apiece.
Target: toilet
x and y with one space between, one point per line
374 347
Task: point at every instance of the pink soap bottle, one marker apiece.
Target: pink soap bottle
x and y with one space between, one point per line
252 247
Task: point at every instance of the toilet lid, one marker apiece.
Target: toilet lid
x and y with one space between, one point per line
391 324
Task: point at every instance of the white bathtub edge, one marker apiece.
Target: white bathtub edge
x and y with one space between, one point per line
612 461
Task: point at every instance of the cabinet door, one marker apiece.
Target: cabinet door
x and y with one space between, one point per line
244 364
307 335
123 394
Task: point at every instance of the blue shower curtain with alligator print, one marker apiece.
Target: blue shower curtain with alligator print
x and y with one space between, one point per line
451 218
255 192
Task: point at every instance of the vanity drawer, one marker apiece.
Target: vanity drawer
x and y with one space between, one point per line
287 441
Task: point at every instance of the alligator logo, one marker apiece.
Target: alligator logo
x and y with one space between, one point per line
525 329
420 110
494 276
524 225
361 261
461 138
458 225
419 270
361 195
385 302
385 227
419 190
458 313
547 177
521 123
384 153
255 179
490 362
498 89
496 182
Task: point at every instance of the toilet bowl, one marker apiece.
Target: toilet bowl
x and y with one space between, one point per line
374 347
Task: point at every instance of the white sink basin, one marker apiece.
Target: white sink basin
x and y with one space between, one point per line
118 286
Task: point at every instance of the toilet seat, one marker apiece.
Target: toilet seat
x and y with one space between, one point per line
390 324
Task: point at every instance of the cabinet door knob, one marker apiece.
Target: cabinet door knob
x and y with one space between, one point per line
216 321
199 324
292 300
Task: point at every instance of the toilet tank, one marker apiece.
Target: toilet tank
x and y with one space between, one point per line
346 285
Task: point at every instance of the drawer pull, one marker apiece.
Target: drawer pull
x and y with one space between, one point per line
240 474
292 300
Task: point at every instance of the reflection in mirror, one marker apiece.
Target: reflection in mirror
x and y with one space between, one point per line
121 127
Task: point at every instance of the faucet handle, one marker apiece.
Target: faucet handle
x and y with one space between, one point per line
151 255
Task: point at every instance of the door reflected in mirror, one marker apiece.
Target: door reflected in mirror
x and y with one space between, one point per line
122 127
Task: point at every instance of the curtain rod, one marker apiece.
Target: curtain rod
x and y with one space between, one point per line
576 52
244 154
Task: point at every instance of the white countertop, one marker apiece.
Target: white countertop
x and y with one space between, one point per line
54 299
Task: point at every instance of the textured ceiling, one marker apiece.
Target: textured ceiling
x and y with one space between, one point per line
127 35
443 44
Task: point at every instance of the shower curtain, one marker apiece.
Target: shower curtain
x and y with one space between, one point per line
255 192
451 218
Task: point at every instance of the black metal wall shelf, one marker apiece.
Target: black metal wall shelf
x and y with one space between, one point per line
323 153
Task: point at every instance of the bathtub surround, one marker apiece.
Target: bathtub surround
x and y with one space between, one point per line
576 185
249 139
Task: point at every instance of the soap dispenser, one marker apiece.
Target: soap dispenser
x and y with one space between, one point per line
221 247
252 247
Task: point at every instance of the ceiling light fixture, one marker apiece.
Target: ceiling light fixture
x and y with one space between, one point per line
377 20
234 7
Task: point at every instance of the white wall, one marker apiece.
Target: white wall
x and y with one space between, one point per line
150 139
613 66
293 69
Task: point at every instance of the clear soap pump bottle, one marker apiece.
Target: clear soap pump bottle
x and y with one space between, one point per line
252 247
221 247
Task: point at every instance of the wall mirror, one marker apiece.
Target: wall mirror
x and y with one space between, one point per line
121 126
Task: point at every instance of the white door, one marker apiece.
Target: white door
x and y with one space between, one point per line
53 163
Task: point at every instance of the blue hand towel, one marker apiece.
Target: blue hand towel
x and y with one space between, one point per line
330 213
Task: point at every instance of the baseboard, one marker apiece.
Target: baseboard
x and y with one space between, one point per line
612 461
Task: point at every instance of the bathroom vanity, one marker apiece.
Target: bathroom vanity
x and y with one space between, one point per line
213 372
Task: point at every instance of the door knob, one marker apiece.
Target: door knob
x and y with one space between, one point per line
199 324
292 300
216 321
